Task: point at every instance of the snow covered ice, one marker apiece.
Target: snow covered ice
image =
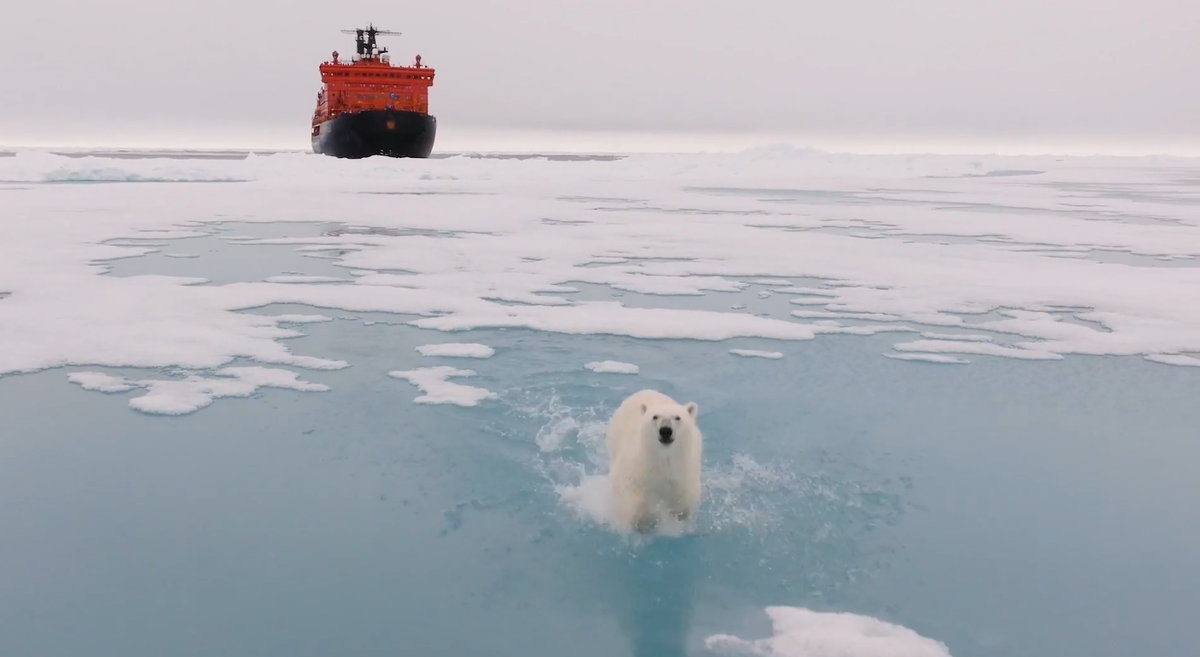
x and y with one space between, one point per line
457 350
612 367
491 243
947 400
755 353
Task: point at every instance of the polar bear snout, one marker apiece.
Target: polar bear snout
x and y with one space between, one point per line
666 435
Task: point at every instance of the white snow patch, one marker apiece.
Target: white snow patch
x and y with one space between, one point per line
180 255
510 253
457 350
800 632
192 393
752 353
612 367
100 382
438 390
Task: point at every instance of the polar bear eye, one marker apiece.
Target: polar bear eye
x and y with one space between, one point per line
654 418
676 418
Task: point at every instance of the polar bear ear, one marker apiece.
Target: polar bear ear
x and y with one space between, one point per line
692 408
643 409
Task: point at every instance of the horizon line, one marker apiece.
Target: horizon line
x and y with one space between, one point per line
648 142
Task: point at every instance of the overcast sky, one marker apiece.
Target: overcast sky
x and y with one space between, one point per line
1102 71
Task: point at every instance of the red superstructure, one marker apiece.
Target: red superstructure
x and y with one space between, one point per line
370 82
368 106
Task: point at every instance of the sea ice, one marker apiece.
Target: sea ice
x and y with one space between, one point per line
306 279
929 358
612 367
100 381
974 347
433 381
803 632
752 353
457 350
507 244
192 393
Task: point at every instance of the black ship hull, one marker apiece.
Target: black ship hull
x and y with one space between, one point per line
390 133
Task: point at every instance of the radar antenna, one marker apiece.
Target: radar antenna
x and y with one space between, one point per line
365 38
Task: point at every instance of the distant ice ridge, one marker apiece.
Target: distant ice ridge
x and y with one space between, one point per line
774 164
803 632
192 393
41 166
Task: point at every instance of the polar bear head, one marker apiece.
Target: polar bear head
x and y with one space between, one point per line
669 423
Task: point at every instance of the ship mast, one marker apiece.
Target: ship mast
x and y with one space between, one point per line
365 40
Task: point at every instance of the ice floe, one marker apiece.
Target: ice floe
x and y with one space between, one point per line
438 389
522 244
457 350
612 367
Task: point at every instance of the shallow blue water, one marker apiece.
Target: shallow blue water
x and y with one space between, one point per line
1002 507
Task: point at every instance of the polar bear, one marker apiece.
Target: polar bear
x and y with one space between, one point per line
654 450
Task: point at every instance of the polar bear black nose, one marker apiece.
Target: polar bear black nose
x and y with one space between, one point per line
664 435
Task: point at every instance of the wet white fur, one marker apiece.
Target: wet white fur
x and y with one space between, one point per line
652 482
